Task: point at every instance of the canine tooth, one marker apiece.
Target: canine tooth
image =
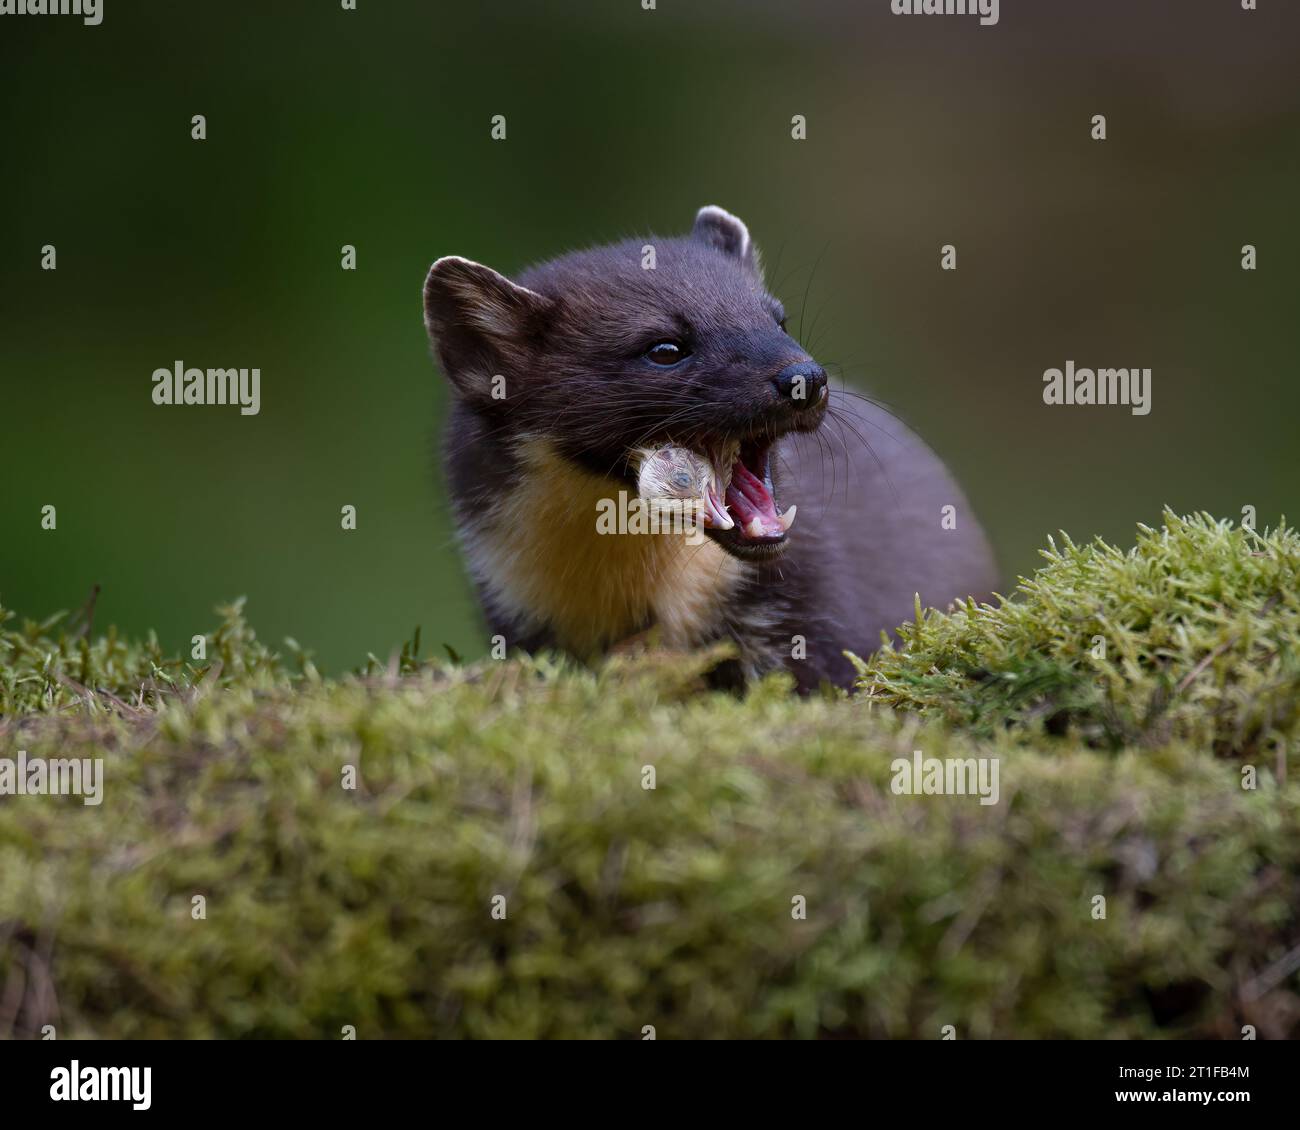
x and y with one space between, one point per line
715 514
755 528
787 519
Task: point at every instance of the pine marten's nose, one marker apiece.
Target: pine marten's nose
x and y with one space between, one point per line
803 384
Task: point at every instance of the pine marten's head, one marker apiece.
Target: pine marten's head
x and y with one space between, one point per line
610 351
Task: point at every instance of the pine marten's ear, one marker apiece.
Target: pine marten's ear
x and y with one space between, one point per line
480 323
720 229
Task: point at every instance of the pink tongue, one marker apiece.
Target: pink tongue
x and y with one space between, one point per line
747 499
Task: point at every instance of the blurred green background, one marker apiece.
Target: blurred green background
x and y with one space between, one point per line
329 127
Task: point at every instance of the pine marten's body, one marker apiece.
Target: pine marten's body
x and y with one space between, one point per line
561 378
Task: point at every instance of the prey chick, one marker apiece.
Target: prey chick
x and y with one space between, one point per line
679 475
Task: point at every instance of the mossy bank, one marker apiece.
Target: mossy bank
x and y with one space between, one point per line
502 869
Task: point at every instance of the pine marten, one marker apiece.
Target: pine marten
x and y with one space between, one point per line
563 379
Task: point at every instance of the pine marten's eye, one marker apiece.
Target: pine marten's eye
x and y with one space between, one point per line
681 479
666 353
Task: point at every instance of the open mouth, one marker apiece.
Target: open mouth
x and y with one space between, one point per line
741 512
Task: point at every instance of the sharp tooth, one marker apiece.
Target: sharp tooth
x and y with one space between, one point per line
715 514
755 528
787 519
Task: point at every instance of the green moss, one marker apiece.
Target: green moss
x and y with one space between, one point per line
627 906
1194 634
